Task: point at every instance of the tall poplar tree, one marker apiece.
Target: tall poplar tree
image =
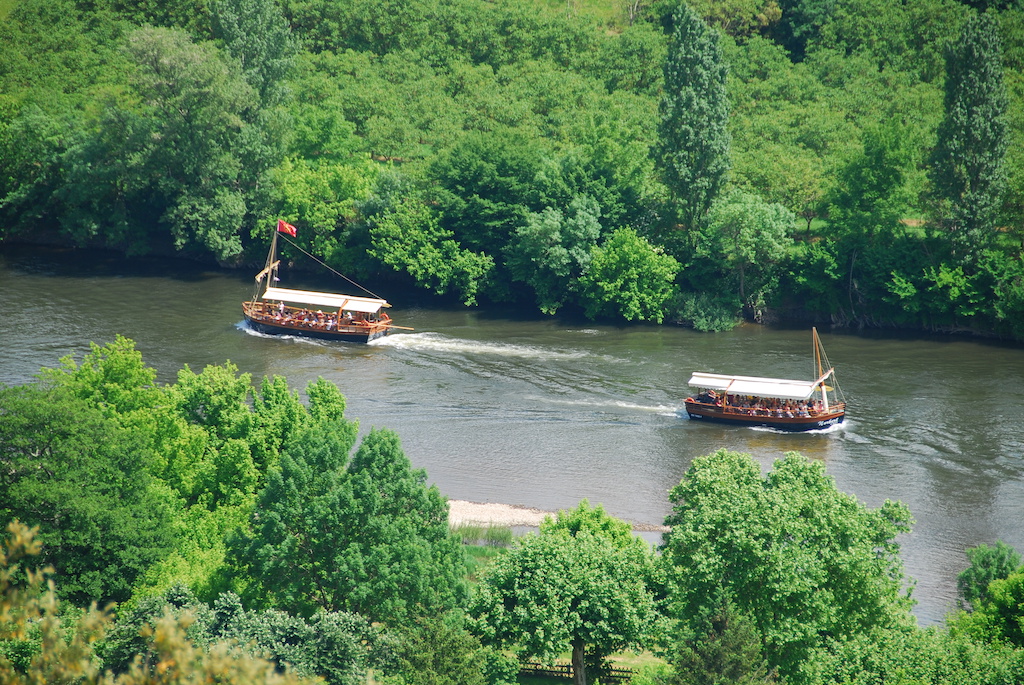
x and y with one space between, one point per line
968 169
693 136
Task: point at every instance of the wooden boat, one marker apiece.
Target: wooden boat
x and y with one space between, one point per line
783 404
312 314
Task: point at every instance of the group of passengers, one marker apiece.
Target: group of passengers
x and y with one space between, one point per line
290 316
762 406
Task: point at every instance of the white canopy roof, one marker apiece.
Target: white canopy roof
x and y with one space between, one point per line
759 387
366 305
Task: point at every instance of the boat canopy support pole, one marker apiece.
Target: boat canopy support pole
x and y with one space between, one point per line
821 383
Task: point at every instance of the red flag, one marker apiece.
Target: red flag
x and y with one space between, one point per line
285 227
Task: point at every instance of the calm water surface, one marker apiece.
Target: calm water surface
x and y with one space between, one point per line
546 412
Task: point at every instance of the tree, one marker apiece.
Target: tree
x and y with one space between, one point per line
753 236
180 154
915 655
83 479
871 196
440 651
968 171
409 237
987 564
368 537
628 278
693 136
726 650
402 559
577 585
551 251
292 549
805 562
63 648
998 617
257 35
335 646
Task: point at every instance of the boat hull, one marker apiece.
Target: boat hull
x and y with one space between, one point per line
356 334
794 424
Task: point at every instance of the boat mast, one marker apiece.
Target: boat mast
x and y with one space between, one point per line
817 362
270 270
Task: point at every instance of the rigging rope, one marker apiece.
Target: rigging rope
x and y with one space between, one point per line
328 267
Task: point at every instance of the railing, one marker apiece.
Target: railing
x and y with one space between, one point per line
833 408
564 670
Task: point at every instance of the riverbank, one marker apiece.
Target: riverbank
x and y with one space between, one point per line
512 515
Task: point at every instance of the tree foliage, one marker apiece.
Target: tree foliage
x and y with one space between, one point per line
367 536
577 585
188 126
693 136
805 562
63 648
628 278
987 564
82 478
334 646
968 168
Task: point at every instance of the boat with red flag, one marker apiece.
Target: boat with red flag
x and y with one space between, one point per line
309 313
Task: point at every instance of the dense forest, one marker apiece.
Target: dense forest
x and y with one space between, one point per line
215 530
852 161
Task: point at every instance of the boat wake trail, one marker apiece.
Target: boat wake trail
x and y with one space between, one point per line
244 327
438 342
834 428
618 405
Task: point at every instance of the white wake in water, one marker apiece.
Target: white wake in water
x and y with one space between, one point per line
244 327
438 342
660 409
834 428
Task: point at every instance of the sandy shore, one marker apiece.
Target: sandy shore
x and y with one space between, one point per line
461 511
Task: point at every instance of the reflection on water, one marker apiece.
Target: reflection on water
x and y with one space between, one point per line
546 412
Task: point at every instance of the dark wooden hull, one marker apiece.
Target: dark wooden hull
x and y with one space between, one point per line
737 417
356 334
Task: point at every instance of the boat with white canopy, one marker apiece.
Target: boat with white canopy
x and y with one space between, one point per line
780 403
310 313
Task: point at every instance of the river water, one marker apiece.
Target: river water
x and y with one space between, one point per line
546 412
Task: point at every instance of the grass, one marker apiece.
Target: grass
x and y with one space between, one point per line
490 536
478 559
5 8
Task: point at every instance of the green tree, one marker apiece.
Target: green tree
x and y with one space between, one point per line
987 564
726 650
335 646
871 196
368 537
83 479
113 377
693 135
180 156
576 585
628 278
551 251
968 170
441 651
753 236
403 560
486 187
291 552
930 655
409 237
805 562
63 649
998 617
257 35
